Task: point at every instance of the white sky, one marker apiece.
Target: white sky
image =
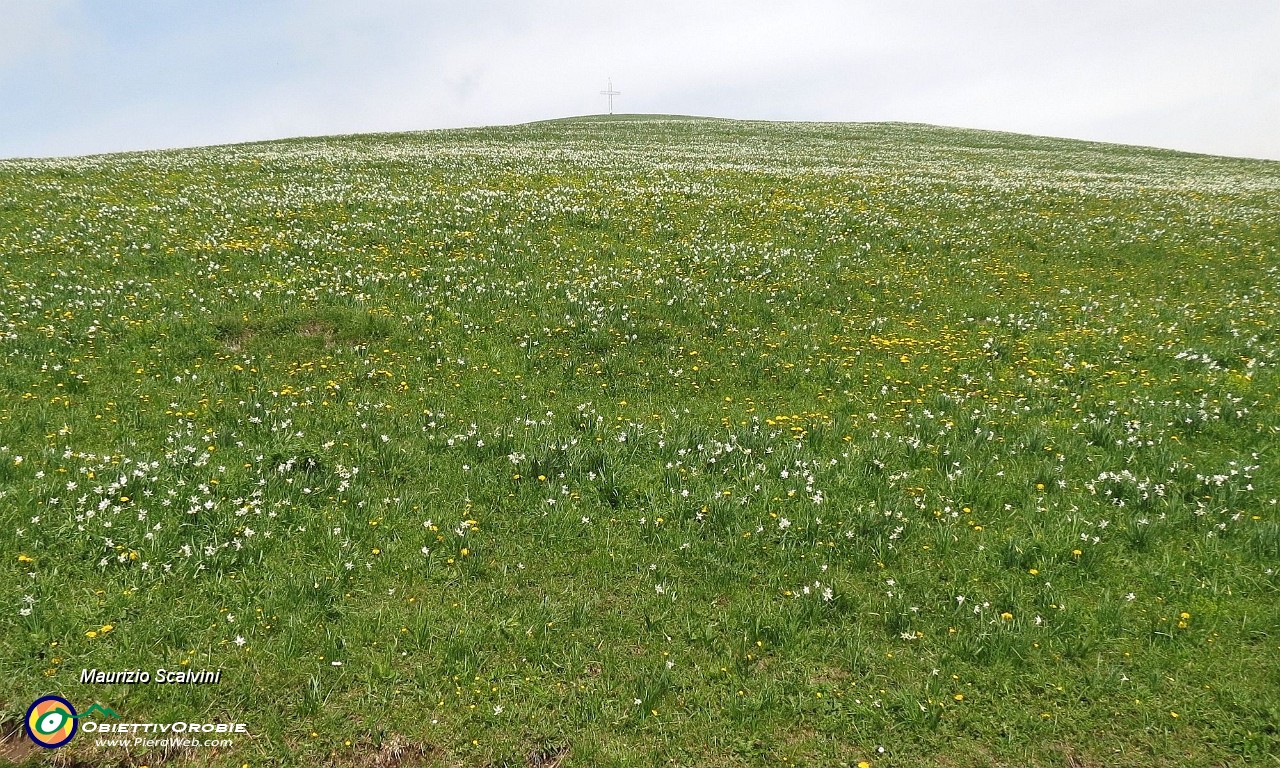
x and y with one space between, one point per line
83 76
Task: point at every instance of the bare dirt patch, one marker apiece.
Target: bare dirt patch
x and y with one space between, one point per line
547 757
16 749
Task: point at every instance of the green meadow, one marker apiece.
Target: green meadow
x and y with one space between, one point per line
647 441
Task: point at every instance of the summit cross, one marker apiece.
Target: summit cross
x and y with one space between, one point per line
610 93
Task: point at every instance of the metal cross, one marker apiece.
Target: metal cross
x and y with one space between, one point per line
610 93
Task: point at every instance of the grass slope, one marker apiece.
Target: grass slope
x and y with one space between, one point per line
643 440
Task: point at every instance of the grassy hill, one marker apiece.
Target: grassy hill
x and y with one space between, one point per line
647 440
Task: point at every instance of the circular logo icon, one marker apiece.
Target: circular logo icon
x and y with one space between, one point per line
51 721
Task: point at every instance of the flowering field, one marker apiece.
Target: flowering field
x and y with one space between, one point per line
640 441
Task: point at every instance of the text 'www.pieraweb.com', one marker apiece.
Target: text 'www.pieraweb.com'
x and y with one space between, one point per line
139 741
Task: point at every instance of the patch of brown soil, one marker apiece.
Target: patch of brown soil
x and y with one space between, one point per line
549 757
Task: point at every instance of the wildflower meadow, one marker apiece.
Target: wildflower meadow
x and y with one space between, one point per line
637 441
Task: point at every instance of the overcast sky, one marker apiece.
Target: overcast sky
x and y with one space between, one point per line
85 76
